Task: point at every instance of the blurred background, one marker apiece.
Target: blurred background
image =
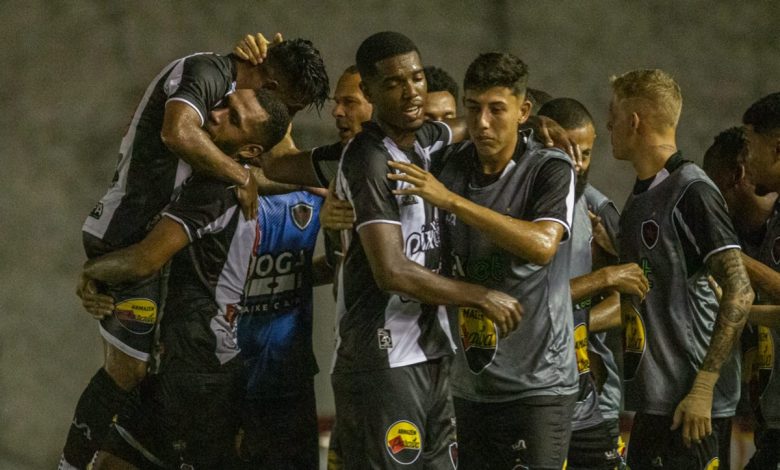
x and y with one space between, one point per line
72 73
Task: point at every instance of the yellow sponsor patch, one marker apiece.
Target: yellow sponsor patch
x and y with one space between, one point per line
581 348
476 330
634 340
403 442
137 315
713 464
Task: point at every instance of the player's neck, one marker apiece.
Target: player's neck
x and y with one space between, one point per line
403 138
653 153
248 76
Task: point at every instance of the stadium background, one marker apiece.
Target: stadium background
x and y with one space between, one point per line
72 73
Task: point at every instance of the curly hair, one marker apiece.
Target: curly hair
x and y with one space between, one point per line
497 69
726 154
439 80
568 112
302 68
764 114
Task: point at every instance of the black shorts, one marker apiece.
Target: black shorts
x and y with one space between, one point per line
280 433
131 327
593 448
396 418
767 450
533 432
652 445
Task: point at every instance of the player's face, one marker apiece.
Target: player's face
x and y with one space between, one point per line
235 124
619 126
440 105
350 108
493 117
398 93
763 161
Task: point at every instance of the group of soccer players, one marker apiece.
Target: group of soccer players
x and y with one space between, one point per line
481 282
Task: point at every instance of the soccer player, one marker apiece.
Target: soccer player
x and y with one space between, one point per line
391 367
442 100
507 207
595 432
185 414
678 341
170 123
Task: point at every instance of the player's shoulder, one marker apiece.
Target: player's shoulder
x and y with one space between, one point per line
368 145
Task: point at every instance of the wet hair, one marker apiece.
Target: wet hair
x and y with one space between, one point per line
302 69
726 154
380 46
661 94
537 97
497 69
271 131
568 112
764 114
439 80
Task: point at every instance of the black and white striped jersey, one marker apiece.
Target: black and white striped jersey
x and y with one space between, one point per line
211 272
378 329
148 172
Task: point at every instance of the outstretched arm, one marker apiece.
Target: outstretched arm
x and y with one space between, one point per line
624 278
394 272
763 278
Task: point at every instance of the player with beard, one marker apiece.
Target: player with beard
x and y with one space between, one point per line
442 100
678 341
596 298
167 126
507 205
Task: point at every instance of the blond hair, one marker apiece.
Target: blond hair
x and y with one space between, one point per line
653 92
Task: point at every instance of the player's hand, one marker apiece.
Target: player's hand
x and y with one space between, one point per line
716 289
254 48
321 192
627 279
421 183
693 413
551 134
504 310
600 235
96 304
247 197
336 214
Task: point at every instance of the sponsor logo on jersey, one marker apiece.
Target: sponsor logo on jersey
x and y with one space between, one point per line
713 464
136 315
479 337
408 200
581 348
302 215
454 454
776 250
650 232
426 239
634 340
403 442
97 211
275 281
384 338
760 363
491 268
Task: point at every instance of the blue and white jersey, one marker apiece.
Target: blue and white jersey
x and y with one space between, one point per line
275 327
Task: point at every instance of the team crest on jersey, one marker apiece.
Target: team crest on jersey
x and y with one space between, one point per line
97 211
302 215
634 341
408 200
776 250
454 454
385 338
136 315
581 348
479 336
650 232
403 442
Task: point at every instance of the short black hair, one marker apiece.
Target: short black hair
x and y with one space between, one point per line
537 97
764 114
497 69
568 112
351 70
303 70
273 129
726 154
380 46
439 80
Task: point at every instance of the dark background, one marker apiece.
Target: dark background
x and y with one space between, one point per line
72 73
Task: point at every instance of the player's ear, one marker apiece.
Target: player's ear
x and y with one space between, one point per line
635 120
525 110
270 84
250 151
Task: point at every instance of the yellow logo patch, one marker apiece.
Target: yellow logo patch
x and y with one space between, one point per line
634 339
136 315
581 348
713 464
403 442
479 337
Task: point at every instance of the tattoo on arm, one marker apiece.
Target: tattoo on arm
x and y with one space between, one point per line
727 269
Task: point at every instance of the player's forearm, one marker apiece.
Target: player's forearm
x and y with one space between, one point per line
606 314
287 164
118 267
727 269
536 242
267 187
765 315
193 145
587 285
762 277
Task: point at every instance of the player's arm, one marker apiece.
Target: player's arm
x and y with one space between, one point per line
141 260
183 135
267 187
394 272
537 241
606 314
763 278
624 278
322 271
